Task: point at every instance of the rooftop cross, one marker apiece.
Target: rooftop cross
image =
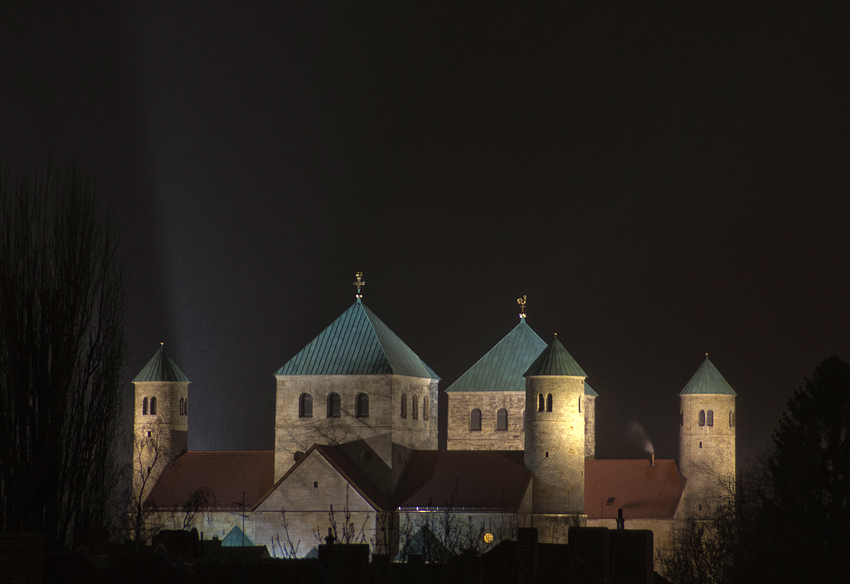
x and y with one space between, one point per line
522 302
359 282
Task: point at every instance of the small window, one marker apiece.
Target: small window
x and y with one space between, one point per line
334 404
361 406
145 407
404 405
181 406
549 403
702 417
415 405
475 420
710 418
540 402
579 405
731 420
153 406
502 420
305 406
426 407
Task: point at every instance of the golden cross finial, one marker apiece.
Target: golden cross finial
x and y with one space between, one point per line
522 302
359 282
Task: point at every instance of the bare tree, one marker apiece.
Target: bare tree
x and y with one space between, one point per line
149 455
62 350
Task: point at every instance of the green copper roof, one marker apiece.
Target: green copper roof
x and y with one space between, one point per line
357 343
501 368
589 390
555 360
161 368
708 379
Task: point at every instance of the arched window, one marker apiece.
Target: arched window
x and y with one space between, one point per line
181 406
579 405
145 407
710 418
502 420
475 420
540 402
305 406
415 405
426 407
731 420
333 405
404 405
153 406
549 403
702 417
361 406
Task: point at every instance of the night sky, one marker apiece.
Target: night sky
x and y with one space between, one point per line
661 182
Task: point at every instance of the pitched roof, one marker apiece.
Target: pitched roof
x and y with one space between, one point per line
642 491
501 368
470 479
357 343
708 379
337 458
555 360
589 390
224 476
161 368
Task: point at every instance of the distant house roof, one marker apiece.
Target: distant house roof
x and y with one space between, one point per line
501 368
357 343
161 368
337 458
555 360
708 379
469 479
642 491
223 476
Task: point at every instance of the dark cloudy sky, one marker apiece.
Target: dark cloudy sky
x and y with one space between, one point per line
660 181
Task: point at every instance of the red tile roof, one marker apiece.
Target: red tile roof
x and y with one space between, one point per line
639 489
470 479
224 475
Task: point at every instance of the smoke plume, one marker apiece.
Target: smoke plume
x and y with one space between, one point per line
639 433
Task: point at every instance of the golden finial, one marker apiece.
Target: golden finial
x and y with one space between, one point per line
359 282
522 302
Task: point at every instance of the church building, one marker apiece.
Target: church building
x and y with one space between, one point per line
355 449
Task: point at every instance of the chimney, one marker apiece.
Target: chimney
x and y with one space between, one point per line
652 459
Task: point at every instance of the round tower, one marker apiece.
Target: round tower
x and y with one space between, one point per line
706 439
161 420
588 407
554 432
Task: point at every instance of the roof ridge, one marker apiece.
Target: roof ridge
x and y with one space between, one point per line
161 367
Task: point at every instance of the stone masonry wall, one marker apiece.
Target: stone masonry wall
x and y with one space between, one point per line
461 404
589 408
554 445
706 453
376 433
158 438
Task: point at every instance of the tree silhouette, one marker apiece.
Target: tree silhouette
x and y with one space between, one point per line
806 516
62 350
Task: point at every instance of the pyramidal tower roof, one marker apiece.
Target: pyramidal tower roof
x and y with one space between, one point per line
501 368
708 379
161 368
555 360
589 390
357 343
